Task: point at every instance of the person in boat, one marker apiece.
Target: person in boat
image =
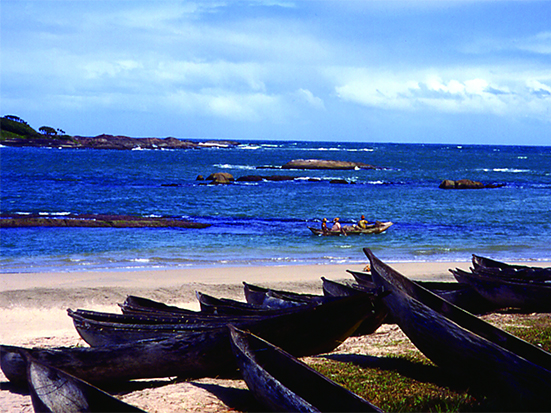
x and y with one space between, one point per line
337 227
363 223
324 225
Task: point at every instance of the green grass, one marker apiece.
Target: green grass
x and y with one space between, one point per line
411 383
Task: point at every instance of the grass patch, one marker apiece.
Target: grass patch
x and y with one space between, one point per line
411 383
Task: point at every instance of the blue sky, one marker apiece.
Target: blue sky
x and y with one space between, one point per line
425 71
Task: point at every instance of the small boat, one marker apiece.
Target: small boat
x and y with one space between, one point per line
497 363
226 306
376 228
508 293
135 305
267 297
284 384
201 352
461 295
379 313
55 391
520 273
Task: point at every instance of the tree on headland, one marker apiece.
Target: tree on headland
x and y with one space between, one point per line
48 130
16 119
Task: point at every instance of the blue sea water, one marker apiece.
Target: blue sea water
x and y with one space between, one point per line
265 223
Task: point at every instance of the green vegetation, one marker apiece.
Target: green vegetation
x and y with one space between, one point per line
13 127
535 330
411 383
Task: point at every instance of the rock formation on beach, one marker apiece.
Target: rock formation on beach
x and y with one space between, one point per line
466 184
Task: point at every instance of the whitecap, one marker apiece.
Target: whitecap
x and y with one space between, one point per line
229 166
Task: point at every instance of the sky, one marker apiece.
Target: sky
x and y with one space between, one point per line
465 72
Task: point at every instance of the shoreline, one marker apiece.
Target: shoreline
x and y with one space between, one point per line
33 308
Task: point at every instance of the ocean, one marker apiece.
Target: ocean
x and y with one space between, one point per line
266 223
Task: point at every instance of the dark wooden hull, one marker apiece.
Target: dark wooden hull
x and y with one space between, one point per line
55 391
489 359
272 304
283 383
375 229
461 295
135 305
518 273
504 293
201 352
379 313
268 297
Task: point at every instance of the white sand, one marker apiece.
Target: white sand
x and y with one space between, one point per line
33 313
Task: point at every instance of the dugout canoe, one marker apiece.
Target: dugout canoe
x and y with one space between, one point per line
268 297
282 383
379 313
506 293
462 295
56 391
226 306
489 359
519 273
377 228
201 352
135 305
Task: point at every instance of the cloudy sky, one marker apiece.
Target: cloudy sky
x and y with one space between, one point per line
369 71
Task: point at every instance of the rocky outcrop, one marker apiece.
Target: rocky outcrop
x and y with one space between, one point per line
466 184
113 221
115 142
326 164
219 178
127 143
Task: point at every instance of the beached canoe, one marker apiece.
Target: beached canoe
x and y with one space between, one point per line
379 313
284 384
136 305
462 295
201 352
494 362
520 273
267 297
226 306
508 293
376 228
55 391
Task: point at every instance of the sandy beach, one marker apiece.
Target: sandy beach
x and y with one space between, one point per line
33 312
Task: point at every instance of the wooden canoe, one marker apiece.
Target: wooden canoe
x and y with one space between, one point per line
134 304
55 391
516 273
506 293
284 384
377 228
200 352
499 364
462 295
379 314
267 297
226 306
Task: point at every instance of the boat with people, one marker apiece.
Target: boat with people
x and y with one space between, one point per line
376 228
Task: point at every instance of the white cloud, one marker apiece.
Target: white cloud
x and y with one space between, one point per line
314 101
252 107
511 94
